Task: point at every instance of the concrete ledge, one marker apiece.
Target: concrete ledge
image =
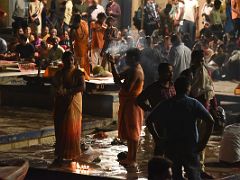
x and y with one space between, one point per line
27 143
102 103
26 135
47 135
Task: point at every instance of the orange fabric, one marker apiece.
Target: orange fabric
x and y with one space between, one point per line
97 35
130 115
68 117
81 46
236 5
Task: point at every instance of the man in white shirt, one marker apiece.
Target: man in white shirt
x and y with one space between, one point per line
179 56
190 17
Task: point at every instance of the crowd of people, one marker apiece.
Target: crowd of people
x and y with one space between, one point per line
161 69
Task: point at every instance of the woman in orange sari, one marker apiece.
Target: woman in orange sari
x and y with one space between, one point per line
130 115
69 83
80 33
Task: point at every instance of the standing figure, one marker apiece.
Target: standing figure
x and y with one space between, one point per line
206 10
69 83
67 15
166 22
156 93
179 56
110 35
235 4
19 15
178 117
113 9
35 14
79 35
97 30
151 17
130 115
178 12
190 17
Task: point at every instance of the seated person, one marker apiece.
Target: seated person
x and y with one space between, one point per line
45 33
65 41
43 53
208 52
28 33
24 50
56 51
53 34
159 168
37 40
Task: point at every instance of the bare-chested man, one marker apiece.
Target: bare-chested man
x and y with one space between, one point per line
130 115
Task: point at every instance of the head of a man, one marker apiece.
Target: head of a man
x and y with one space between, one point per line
197 58
55 42
176 39
101 17
68 59
165 72
159 168
182 85
132 57
53 32
46 30
217 4
168 8
23 39
109 21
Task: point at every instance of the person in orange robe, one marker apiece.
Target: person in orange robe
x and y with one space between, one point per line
79 34
130 115
97 30
69 84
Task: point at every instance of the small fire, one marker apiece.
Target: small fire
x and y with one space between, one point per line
82 169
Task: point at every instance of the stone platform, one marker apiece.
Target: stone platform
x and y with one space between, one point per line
24 127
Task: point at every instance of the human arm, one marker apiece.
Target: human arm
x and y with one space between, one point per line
117 77
172 57
204 115
234 7
196 14
142 100
154 119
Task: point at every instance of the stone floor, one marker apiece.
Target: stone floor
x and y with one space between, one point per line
42 156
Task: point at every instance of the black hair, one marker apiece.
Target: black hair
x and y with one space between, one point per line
157 167
109 18
101 15
182 84
133 53
23 37
163 67
197 55
217 4
76 21
66 55
176 38
168 6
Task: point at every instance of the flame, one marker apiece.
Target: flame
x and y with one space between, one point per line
78 166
